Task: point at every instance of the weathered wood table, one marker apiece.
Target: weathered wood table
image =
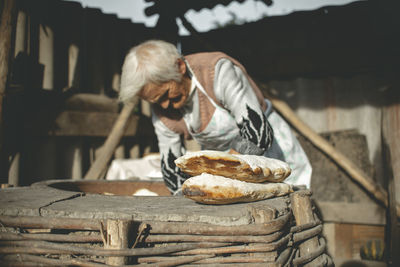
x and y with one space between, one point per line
45 225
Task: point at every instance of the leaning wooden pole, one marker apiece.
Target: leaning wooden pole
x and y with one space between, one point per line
99 165
355 173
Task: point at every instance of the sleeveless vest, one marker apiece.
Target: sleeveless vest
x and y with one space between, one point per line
203 67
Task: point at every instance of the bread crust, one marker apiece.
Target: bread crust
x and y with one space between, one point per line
212 189
249 168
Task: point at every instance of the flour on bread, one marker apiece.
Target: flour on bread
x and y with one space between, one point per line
212 189
250 168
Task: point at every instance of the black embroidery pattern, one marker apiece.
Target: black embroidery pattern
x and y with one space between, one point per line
172 175
256 129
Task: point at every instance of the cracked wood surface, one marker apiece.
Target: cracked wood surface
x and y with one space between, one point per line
49 202
29 201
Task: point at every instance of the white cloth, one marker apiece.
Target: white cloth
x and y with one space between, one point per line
293 153
146 168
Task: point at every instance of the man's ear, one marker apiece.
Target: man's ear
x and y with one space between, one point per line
181 66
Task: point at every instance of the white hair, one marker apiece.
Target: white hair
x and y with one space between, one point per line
153 61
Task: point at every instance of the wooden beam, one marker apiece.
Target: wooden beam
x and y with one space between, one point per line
91 102
78 123
87 123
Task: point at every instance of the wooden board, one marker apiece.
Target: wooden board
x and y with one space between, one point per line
350 237
88 123
356 213
49 202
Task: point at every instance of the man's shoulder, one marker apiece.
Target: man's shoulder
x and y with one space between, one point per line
215 54
205 59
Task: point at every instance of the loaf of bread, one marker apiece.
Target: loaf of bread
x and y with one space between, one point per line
249 168
212 189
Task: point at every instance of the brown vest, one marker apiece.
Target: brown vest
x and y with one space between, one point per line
203 67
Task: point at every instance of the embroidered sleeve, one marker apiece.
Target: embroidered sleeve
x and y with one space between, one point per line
235 93
171 147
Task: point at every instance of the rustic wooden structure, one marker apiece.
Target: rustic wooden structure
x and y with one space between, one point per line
355 173
68 73
335 72
50 226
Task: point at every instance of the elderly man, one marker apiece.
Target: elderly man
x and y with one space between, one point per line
211 98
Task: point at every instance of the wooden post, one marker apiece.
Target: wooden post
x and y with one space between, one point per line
76 150
117 238
303 214
46 56
20 33
19 46
7 26
391 153
8 19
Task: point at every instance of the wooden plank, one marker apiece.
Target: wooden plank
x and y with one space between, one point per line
91 102
359 213
391 145
364 263
350 237
77 123
95 124
48 203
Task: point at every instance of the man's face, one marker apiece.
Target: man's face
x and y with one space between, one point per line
169 94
